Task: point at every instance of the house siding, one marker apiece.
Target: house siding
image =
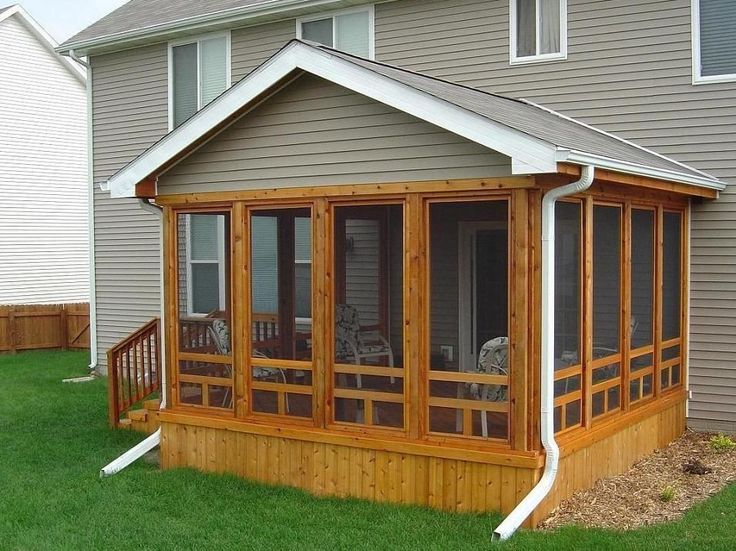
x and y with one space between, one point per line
317 133
44 244
130 113
628 72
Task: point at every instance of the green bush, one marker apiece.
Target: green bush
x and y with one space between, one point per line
722 443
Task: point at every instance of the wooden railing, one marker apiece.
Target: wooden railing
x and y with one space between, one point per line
134 370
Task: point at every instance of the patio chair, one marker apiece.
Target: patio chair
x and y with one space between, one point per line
220 335
492 360
354 344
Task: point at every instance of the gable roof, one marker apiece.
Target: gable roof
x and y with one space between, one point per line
44 38
535 138
140 20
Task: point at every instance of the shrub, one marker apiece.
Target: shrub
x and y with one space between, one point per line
667 494
722 444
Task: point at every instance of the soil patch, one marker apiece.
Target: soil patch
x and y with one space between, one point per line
659 488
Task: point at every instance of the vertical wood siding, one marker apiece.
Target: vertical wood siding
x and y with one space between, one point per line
44 245
628 72
130 113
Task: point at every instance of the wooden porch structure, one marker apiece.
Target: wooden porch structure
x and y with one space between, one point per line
270 398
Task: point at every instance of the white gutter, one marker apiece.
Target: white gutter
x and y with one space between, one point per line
154 439
73 55
512 522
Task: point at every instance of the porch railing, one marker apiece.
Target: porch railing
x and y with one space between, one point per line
134 370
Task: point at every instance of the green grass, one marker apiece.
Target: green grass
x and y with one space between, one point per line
54 439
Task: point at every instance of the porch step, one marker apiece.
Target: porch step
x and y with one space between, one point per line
138 415
152 405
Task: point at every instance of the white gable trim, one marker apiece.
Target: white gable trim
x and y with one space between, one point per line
529 155
45 39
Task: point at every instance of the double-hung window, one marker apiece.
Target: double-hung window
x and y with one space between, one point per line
205 252
349 31
538 30
714 40
199 72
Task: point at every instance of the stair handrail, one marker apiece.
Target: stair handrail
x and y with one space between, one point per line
130 382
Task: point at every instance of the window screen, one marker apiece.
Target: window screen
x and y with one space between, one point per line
717 42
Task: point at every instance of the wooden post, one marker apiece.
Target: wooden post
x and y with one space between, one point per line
112 390
12 331
63 328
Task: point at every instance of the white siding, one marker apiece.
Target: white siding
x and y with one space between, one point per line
44 249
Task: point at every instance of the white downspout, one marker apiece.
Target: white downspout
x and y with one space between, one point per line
154 439
91 226
512 522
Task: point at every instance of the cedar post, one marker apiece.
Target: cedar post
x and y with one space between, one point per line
63 328
12 331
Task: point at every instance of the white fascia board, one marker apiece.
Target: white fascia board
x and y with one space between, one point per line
582 158
529 155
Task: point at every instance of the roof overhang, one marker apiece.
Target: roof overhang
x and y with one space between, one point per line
45 38
263 12
529 154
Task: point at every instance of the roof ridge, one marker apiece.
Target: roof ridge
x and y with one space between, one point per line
405 70
616 137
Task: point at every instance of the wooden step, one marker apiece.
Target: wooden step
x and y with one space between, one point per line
125 423
152 405
138 415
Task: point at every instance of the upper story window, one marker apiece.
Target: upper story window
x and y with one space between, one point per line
350 31
714 45
538 30
199 71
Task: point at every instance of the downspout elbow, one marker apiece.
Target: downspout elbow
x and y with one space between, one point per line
532 500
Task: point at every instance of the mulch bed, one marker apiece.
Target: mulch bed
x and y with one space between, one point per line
635 498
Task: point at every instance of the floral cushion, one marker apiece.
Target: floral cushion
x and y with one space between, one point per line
221 335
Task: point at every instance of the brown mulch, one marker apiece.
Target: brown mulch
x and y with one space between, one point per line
633 499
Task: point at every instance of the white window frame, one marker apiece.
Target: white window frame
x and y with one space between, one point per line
196 40
370 9
221 252
538 58
698 78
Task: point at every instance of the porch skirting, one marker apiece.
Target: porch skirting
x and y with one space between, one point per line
480 482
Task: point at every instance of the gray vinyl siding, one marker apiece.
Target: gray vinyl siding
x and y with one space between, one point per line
129 114
628 72
251 46
317 133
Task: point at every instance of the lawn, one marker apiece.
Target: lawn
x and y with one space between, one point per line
54 439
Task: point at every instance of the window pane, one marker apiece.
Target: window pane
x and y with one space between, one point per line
205 288
185 82
526 28
642 278
353 33
549 26
717 31
671 273
213 67
606 280
204 236
567 284
281 289
369 315
318 31
469 263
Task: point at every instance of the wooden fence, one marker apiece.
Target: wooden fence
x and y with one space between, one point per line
41 326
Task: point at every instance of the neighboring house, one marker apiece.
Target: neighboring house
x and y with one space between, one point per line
632 331
44 237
